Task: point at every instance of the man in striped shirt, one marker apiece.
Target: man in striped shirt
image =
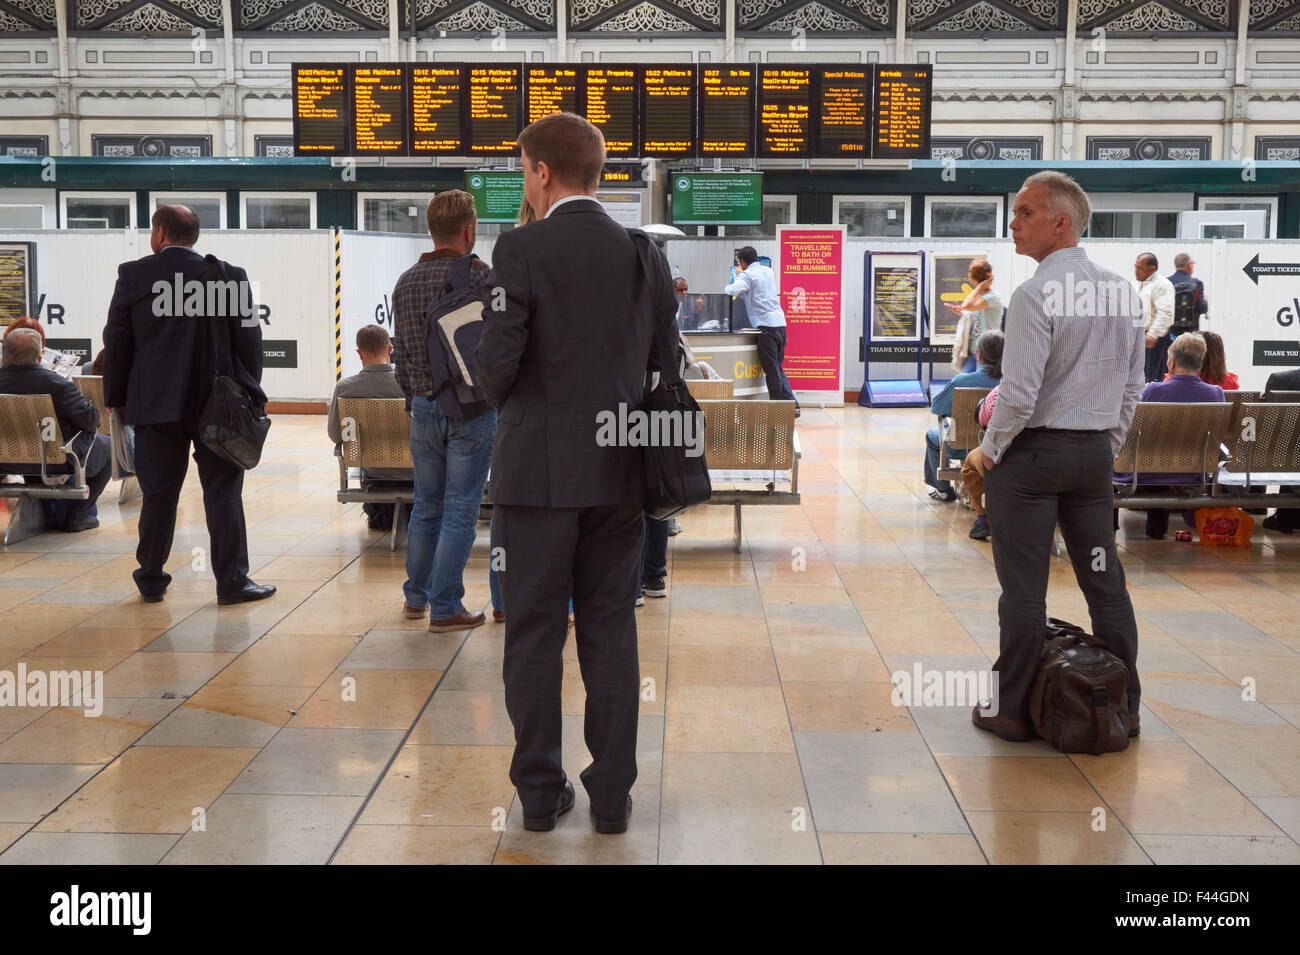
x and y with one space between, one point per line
1072 372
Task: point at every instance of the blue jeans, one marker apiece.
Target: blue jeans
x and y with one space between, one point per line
932 449
451 463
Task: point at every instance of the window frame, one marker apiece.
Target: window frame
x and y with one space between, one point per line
993 199
180 195
302 194
839 200
75 194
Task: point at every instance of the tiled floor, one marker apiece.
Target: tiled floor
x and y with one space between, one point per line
321 725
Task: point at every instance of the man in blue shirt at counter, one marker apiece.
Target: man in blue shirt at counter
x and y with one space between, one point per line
757 285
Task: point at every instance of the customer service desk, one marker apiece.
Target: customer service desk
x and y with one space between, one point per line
732 355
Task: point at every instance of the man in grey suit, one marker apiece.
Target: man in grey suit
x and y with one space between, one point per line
569 316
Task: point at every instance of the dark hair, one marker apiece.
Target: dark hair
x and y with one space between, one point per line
747 254
1149 258
1215 367
179 224
572 147
372 340
97 366
26 322
989 349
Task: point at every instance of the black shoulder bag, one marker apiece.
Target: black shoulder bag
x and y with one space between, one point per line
674 480
232 425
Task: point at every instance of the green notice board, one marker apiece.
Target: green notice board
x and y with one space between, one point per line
497 195
718 198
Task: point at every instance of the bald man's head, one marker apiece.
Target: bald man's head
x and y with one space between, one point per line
178 225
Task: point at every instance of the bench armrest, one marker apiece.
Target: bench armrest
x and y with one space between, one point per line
343 469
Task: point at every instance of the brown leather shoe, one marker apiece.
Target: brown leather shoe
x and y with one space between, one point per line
498 616
465 620
413 613
1002 726
1134 724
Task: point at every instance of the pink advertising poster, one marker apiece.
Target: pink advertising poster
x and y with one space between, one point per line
810 267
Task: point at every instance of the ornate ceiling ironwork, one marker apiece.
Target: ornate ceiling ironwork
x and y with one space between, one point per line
28 16
813 16
985 16
1277 15
659 16
1157 16
146 16
312 16
484 16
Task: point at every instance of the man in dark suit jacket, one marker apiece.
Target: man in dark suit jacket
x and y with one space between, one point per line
21 373
1284 519
159 367
568 336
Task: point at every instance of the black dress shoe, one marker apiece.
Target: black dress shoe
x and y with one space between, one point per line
610 825
152 598
250 591
78 524
546 822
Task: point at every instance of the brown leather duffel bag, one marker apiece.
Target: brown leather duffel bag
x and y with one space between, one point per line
1079 702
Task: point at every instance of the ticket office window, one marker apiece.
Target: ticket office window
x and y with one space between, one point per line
777 210
210 207
97 210
1133 225
1267 205
394 212
278 210
881 217
965 217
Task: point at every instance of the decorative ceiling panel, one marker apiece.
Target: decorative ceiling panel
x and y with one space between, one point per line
311 16
985 16
1274 15
1156 16
484 16
817 16
660 16
27 16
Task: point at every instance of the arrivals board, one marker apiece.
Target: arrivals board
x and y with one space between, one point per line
551 89
610 100
902 115
321 112
726 111
495 107
435 97
668 111
844 111
379 109
785 100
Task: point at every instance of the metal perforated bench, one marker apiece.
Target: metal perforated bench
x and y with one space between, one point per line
92 387
29 435
960 430
1262 449
376 434
753 454
1171 438
711 389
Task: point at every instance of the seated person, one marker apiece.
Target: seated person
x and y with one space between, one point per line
987 373
55 361
374 380
21 373
1185 359
1284 519
973 477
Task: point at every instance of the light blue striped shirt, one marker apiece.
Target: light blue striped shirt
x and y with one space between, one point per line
1074 356
757 286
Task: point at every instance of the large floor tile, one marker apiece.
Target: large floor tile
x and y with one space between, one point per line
900 848
267 830
418 845
727 719
1054 838
444 786
88 848
31 790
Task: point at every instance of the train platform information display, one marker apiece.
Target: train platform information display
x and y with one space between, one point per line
321 115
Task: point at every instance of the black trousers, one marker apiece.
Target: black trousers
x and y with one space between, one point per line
161 460
771 355
595 554
1157 359
1043 479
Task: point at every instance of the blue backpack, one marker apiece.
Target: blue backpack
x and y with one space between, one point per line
454 328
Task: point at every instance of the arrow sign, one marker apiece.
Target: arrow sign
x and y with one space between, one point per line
1255 268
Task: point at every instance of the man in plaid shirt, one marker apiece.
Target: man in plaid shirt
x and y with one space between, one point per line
451 456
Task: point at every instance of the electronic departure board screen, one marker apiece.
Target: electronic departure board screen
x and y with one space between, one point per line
610 99
668 111
726 111
902 114
551 89
785 98
435 98
379 109
843 111
495 107
320 110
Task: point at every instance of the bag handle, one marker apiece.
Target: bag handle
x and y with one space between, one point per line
669 376
222 352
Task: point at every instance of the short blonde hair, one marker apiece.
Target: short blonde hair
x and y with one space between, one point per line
449 212
1065 197
1188 350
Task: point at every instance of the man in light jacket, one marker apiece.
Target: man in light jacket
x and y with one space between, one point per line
1157 296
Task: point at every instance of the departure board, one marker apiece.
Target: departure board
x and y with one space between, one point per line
610 98
726 111
844 111
785 97
902 114
320 110
436 95
495 101
379 109
551 89
668 111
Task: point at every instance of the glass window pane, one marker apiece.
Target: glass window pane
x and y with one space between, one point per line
1267 208
208 210
883 218
960 220
776 212
278 213
98 213
396 214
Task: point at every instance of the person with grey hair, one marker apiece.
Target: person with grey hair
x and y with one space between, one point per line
1071 375
1189 296
21 373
